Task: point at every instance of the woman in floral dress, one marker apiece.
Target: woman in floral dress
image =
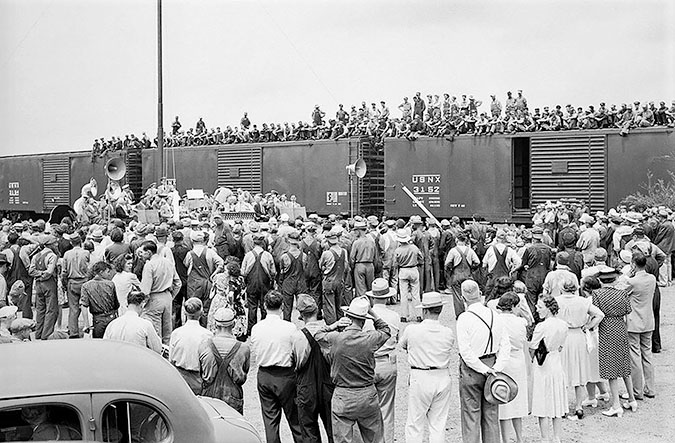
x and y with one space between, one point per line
228 291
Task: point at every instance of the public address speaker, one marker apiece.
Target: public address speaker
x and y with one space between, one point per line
358 168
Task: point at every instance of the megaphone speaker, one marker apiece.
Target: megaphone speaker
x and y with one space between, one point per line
115 168
358 168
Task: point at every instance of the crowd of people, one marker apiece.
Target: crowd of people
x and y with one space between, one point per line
571 303
169 205
436 117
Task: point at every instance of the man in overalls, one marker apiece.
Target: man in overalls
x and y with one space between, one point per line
536 263
259 273
19 271
458 264
202 263
292 273
499 261
43 270
222 236
334 266
312 249
314 385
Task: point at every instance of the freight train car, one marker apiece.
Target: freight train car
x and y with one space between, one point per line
498 178
503 177
312 170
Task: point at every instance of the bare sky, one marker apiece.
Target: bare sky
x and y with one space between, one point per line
75 70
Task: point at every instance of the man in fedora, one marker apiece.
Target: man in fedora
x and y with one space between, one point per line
484 349
429 345
355 399
407 259
385 356
362 258
334 266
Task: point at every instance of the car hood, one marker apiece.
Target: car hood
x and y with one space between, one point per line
228 424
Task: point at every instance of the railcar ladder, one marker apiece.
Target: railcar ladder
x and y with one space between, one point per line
371 190
134 176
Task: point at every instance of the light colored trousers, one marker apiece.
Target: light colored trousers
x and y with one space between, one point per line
385 383
158 311
428 403
409 287
665 272
641 369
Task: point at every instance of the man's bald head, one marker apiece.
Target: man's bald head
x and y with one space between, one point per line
470 291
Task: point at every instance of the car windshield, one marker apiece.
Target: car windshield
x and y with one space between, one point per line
39 422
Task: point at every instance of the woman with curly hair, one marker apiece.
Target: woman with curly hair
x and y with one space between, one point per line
613 350
228 292
549 391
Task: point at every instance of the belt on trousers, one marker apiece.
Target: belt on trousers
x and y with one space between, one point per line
365 262
105 314
488 356
405 267
430 368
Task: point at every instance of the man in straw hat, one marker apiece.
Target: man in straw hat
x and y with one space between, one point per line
335 268
407 259
385 356
430 346
43 270
355 398
224 362
484 349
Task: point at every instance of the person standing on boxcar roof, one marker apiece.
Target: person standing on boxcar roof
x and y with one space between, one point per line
175 126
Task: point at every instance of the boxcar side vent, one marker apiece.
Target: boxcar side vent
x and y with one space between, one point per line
570 166
240 167
56 182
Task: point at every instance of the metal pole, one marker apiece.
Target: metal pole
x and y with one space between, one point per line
160 105
351 196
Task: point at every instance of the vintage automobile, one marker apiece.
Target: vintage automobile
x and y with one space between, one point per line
106 391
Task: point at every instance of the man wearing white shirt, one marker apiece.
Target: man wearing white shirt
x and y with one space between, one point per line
184 345
484 349
272 343
429 345
554 280
385 356
133 329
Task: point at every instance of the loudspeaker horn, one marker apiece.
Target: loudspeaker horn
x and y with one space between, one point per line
115 168
358 169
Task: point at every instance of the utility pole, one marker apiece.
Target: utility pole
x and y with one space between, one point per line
159 166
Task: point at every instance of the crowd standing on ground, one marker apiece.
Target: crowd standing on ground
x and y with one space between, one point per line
434 116
572 302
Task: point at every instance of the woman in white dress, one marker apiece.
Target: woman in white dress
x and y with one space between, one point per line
515 320
124 280
588 285
581 316
549 391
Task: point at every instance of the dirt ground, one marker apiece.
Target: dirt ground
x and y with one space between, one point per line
653 422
